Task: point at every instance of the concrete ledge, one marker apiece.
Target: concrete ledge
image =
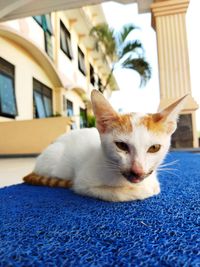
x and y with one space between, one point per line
16 156
193 150
30 137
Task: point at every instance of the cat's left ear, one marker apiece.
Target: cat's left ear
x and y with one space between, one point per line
103 111
170 114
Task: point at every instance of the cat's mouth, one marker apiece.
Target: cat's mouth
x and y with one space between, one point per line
135 178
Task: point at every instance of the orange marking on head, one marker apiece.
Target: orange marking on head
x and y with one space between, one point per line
122 123
154 123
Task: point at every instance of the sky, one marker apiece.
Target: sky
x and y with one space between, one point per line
131 97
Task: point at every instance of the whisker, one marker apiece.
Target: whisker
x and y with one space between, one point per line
170 163
170 171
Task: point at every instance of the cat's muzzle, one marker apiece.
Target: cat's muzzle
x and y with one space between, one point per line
134 177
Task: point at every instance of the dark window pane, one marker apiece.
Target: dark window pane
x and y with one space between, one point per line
92 77
83 118
48 44
45 22
38 19
100 85
65 40
63 43
7 68
47 26
8 107
40 110
70 111
48 106
7 97
81 61
42 96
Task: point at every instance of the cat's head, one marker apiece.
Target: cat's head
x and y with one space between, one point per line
136 143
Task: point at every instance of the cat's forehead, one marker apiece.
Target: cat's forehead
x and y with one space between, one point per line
130 122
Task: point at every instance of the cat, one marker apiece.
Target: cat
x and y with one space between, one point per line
117 160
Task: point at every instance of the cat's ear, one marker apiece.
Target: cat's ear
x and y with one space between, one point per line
103 111
170 114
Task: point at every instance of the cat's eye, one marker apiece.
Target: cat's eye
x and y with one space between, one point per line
122 146
154 148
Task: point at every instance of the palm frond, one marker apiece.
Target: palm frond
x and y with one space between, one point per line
125 31
131 47
103 35
141 66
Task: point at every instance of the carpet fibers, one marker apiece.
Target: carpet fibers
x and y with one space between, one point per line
42 226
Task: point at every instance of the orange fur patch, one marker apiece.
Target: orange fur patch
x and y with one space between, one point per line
123 123
153 122
36 179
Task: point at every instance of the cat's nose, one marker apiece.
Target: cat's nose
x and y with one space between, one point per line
137 169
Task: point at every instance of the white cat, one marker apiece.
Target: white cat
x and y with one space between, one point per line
115 162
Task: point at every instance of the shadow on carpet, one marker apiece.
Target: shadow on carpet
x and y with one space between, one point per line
42 226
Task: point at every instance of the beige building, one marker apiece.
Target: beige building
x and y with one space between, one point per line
168 20
48 68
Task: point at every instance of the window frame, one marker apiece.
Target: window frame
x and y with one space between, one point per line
81 62
46 25
72 105
84 120
68 43
99 84
9 72
42 89
92 75
48 45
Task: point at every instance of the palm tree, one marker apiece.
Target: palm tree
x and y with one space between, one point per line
122 51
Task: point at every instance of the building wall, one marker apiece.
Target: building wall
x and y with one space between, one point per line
27 67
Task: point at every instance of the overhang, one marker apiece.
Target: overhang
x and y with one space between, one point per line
15 9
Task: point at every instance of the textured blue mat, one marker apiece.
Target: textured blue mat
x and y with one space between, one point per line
42 226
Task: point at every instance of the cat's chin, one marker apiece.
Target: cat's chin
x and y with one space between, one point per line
135 180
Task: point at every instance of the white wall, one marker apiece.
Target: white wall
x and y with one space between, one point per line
25 69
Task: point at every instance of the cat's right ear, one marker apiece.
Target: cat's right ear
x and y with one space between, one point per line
103 111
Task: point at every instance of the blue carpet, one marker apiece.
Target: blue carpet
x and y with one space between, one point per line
42 226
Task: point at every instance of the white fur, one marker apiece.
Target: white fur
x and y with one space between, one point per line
95 164
78 156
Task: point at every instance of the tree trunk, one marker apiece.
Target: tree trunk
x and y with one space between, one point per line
108 79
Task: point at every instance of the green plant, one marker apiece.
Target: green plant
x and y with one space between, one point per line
122 51
91 122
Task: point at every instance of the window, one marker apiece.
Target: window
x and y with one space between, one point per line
92 77
81 61
45 22
42 100
100 85
70 112
48 44
8 106
83 118
38 19
70 108
65 40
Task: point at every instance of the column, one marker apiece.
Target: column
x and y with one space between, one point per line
169 21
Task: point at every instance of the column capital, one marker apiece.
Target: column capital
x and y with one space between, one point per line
169 7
